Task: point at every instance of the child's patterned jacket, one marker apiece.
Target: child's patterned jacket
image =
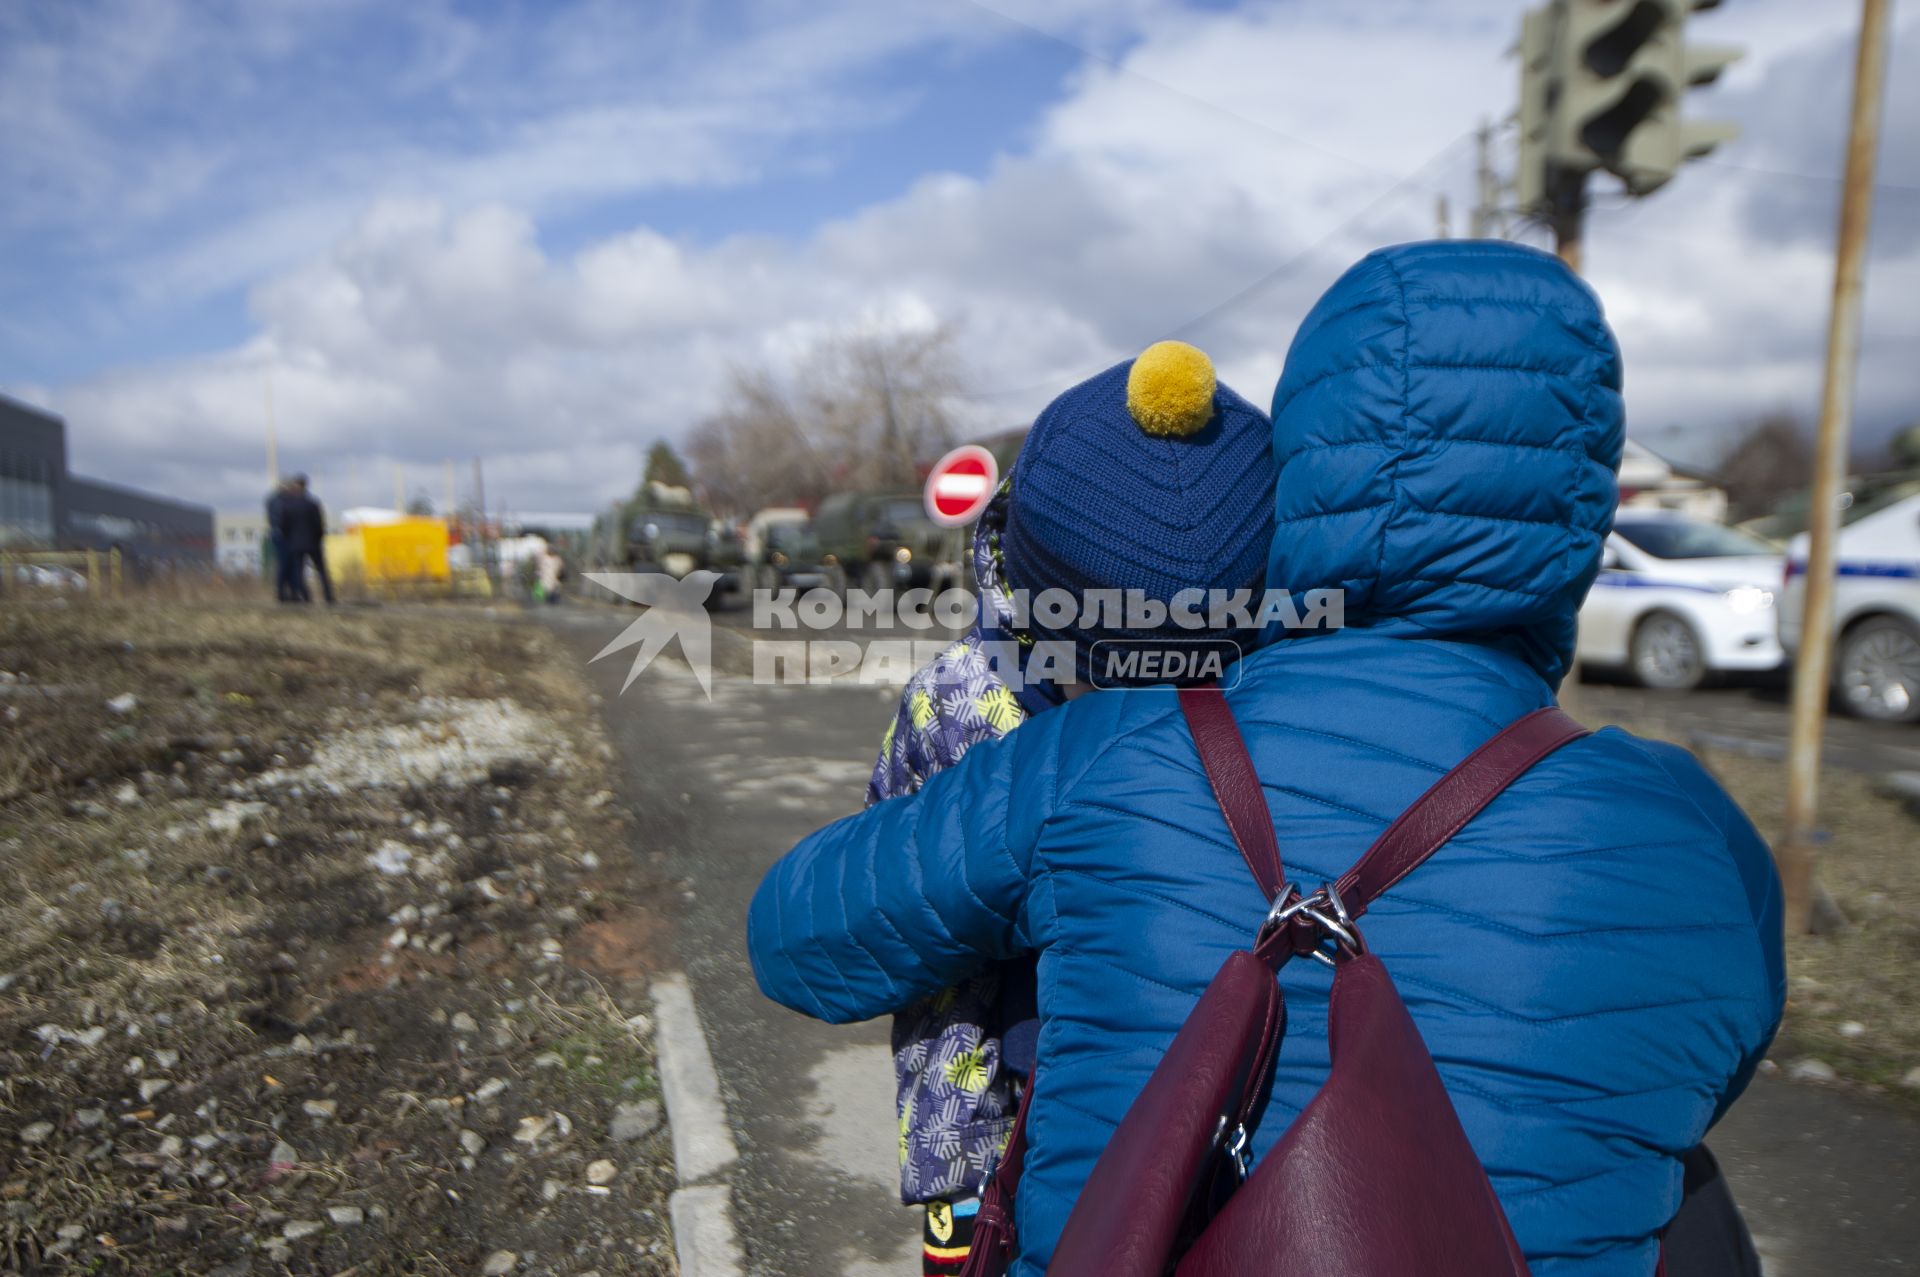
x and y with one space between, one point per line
955 1098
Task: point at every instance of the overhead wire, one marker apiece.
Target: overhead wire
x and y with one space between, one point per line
1267 280
1528 226
1401 182
1195 99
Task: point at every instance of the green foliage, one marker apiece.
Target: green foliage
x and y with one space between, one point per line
1905 446
605 1057
664 466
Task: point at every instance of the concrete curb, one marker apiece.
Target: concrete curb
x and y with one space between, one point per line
703 1147
703 1237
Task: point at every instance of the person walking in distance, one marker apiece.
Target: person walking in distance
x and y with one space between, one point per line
552 569
286 570
303 529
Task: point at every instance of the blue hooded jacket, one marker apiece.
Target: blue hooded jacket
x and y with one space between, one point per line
1595 962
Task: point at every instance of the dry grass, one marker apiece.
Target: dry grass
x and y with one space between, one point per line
172 918
1865 974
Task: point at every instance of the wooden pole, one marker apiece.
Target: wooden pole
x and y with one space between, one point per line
1813 666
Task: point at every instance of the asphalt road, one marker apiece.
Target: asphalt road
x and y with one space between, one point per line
722 787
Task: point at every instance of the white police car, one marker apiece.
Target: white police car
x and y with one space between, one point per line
1679 598
1876 605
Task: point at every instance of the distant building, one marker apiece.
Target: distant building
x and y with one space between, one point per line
1648 481
43 506
546 523
364 516
104 516
566 533
33 471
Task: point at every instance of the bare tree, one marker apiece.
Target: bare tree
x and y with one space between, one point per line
1765 464
756 451
881 403
864 412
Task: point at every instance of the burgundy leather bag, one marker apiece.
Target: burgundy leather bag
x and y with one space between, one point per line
1375 1178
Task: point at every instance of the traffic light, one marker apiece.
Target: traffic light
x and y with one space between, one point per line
1538 90
1601 83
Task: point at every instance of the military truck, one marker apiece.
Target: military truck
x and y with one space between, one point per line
662 529
884 540
781 551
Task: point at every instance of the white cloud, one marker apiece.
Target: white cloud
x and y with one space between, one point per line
433 323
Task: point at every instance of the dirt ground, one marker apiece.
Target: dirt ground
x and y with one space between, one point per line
1853 996
1853 999
322 951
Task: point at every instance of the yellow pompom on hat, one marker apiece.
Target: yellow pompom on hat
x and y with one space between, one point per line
1150 475
1170 389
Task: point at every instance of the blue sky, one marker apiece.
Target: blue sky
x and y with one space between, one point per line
350 95
543 233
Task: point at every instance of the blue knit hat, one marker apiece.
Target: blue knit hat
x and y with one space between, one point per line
1149 476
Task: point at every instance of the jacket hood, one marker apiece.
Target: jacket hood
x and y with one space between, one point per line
1447 431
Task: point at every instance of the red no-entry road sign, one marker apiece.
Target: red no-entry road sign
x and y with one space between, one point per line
960 485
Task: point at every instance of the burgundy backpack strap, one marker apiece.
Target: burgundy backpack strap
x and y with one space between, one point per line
1236 786
1452 801
1421 829
1223 752
995 1241
1306 925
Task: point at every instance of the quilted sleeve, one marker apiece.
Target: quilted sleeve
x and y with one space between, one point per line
907 897
1754 862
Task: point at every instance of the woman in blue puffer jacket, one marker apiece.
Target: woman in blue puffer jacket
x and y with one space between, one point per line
1595 962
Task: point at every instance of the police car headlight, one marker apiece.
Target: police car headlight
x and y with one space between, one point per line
1748 598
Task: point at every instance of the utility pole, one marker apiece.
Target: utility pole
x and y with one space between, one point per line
1567 216
1813 667
1441 229
273 444
1486 209
894 448
480 508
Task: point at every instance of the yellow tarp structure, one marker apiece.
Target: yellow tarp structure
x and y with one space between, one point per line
345 563
410 550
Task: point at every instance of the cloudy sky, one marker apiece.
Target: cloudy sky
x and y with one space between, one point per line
540 233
